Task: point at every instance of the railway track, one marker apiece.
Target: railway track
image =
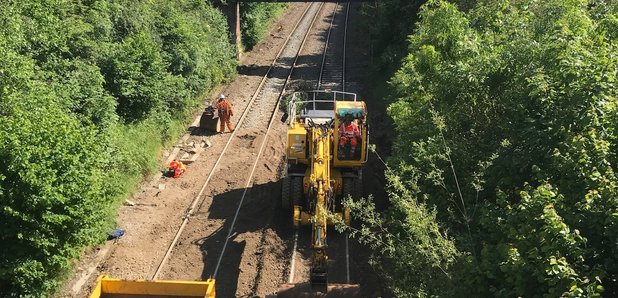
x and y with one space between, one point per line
215 218
331 74
232 227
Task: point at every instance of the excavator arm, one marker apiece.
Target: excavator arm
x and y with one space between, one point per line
321 186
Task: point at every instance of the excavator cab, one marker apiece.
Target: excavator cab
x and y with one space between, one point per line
352 134
321 107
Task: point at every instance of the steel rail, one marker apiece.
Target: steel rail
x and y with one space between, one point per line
264 141
345 41
293 261
330 27
191 209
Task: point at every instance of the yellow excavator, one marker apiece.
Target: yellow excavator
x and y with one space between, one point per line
327 149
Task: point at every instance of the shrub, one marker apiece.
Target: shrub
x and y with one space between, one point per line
54 200
256 19
69 71
505 126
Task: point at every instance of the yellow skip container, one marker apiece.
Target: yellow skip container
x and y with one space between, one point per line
117 288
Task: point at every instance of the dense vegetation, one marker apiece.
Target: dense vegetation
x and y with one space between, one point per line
502 176
89 92
255 19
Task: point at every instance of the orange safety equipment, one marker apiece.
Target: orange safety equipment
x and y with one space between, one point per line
224 109
176 168
349 132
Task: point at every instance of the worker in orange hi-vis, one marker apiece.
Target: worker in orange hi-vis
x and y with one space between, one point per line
224 108
349 134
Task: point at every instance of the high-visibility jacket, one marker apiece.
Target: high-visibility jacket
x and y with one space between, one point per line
224 108
349 130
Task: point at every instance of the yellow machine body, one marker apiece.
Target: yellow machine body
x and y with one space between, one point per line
299 150
322 168
297 144
110 287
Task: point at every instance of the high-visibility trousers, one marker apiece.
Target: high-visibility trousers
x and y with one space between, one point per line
343 140
225 120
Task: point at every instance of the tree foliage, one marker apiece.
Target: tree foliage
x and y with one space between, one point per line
387 25
411 248
506 126
89 92
52 189
255 19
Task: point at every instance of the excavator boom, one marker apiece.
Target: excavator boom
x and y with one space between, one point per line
320 178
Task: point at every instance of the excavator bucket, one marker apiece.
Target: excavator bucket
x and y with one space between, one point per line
319 279
306 290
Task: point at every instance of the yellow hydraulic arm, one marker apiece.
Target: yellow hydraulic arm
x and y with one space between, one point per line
320 185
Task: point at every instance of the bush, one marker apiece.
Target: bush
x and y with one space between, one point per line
505 119
54 200
256 19
89 92
135 76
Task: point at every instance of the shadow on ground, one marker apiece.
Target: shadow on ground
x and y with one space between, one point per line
260 211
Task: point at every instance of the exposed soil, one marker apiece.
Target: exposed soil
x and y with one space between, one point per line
257 257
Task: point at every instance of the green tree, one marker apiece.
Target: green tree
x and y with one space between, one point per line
135 76
255 19
505 117
53 197
69 71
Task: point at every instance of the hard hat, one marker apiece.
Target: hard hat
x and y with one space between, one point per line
221 96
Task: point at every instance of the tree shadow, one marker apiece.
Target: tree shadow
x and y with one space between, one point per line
280 72
200 131
260 211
